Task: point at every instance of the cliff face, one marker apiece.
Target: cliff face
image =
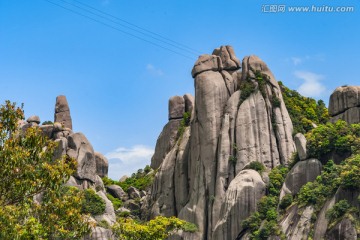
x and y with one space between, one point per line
239 117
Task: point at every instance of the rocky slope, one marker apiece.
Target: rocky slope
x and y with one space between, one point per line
238 116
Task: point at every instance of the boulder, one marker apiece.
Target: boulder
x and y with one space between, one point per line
62 112
33 119
344 230
299 175
176 107
134 193
109 213
117 192
241 200
123 178
102 165
300 143
344 98
61 147
81 149
206 63
189 103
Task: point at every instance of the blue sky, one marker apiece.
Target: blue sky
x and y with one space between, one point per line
118 86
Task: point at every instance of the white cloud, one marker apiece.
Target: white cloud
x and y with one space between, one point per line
153 70
125 161
311 87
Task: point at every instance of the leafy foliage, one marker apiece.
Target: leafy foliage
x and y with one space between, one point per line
325 185
117 203
92 203
286 201
158 228
263 223
47 123
255 165
141 180
27 170
340 138
350 173
303 111
185 122
338 210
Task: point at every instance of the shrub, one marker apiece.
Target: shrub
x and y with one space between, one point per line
286 201
93 203
257 166
276 101
338 210
117 203
350 173
185 121
303 111
47 123
233 160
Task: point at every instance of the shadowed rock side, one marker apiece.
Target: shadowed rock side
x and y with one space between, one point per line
239 117
345 104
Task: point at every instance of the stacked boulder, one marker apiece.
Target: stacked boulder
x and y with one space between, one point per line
91 166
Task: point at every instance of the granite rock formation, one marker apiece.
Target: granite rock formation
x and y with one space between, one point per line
239 116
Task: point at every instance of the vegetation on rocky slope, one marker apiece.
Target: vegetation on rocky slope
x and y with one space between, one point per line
304 112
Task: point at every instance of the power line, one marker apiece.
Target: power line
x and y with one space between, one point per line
138 27
120 30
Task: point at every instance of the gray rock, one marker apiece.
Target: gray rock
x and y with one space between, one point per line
81 184
351 115
33 119
165 142
133 205
344 230
297 222
60 150
99 185
123 178
99 233
189 103
344 98
133 193
47 130
58 127
300 143
102 165
81 149
206 63
109 213
176 107
117 191
228 58
241 200
299 175
62 112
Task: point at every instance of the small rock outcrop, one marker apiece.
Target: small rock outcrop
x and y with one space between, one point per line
300 143
33 119
62 112
344 230
345 104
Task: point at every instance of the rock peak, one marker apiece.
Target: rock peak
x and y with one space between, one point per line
62 112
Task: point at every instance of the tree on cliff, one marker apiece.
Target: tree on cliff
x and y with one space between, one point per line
28 173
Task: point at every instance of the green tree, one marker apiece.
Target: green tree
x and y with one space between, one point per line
28 170
158 228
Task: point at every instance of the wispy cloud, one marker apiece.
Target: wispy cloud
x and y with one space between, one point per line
296 60
125 161
311 87
153 70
